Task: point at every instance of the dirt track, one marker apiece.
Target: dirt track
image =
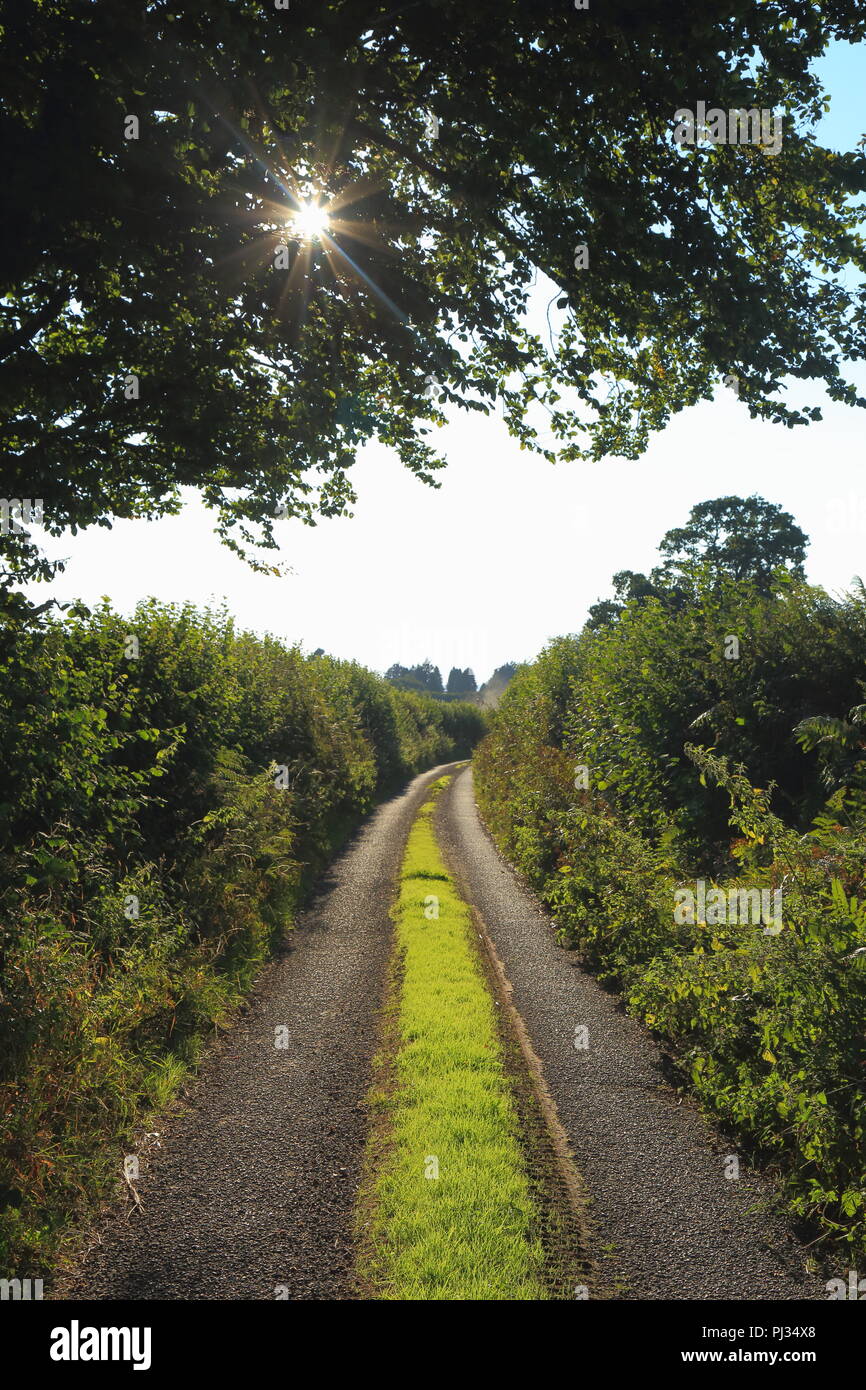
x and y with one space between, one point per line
254 1186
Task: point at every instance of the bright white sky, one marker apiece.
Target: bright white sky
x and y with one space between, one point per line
510 551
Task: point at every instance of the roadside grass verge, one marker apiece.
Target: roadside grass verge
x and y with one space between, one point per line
446 1210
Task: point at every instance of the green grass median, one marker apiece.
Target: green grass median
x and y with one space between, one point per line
446 1210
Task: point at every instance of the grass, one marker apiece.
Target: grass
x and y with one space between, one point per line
446 1109
88 1088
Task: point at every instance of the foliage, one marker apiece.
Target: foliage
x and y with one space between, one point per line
171 786
491 691
745 537
461 682
154 257
664 678
768 1028
423 677
742 537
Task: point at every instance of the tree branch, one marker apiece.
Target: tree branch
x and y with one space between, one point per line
41 319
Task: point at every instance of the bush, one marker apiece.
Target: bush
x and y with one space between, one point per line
171 787
768 1028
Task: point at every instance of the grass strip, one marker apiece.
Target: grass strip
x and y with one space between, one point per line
446 1205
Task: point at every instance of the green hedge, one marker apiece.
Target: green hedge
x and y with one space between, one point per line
768 1028
170 787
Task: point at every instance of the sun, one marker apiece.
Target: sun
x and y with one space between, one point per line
310 220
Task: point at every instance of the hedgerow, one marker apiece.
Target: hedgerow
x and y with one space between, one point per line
170 788
696 766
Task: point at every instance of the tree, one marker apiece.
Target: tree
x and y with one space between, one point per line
166 321
461 682
424 677
628 586
492 691
741 537
430 677
745 537
402 676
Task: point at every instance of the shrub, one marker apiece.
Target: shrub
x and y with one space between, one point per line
694 768
166 801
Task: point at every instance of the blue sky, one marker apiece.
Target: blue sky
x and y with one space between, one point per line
843 72
510 551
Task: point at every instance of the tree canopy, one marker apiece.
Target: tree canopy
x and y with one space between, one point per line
728 537
461 682
493 689
166 321
425 677
745 537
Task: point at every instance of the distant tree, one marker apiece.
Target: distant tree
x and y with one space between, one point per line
461 682
492 690
424 677
430 677
742 537
745 537
627 586
402 677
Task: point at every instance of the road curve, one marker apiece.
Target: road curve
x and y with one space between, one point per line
253 1187
664 1220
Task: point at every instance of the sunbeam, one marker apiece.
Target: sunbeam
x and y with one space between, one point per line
310 220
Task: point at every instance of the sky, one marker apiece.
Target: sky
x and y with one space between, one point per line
510 551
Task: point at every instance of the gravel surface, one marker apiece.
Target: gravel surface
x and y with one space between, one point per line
666 1222
253 1187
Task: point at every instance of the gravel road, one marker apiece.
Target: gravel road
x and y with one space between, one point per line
666 1222
253 1187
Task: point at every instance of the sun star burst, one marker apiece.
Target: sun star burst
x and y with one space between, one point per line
310 220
